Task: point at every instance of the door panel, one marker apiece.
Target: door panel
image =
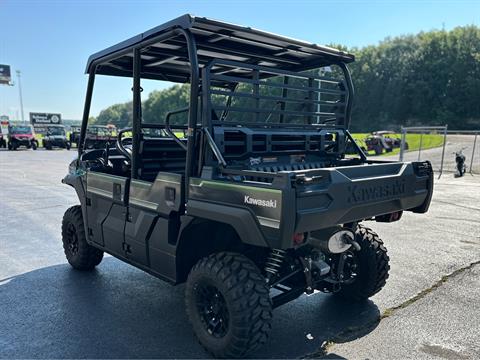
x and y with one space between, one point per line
113 229
161 252
153 206
137 232
163 196
106 209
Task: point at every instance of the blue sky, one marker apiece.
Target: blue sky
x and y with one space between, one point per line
50 41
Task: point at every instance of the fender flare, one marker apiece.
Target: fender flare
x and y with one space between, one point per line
76 182
241 219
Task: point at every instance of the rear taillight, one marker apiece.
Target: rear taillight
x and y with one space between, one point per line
298 238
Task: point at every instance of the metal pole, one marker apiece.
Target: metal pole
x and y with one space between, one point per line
319 96
402 143
21 98
136 121
86 111
443 150
473 152
420 146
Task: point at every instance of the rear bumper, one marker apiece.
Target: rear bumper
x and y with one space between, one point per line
353 193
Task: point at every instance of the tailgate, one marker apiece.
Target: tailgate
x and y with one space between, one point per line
345 194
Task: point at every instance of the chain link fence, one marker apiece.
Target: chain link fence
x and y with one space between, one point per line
438 144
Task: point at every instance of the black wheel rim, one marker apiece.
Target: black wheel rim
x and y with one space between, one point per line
72 239
212 308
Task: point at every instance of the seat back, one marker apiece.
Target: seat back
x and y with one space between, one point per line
160 154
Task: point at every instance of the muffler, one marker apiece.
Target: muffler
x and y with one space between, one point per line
333 240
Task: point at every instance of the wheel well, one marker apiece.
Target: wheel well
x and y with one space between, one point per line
204 237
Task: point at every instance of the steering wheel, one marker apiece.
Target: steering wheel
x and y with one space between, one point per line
121 146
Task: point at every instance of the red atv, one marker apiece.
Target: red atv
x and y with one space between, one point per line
21 135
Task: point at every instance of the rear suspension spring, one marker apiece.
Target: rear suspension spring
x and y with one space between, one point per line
274 262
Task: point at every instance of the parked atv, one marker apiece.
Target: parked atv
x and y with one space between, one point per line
258 204
56 137
21 135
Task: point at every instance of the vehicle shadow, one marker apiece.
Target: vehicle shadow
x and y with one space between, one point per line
118 311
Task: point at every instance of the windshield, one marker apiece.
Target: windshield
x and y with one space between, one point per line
21 130
56 131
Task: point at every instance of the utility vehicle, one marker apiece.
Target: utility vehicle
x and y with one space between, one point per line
21 135
258 203
383 140
98 136
74 135
55 137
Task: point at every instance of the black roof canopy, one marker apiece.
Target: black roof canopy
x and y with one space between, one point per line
167 58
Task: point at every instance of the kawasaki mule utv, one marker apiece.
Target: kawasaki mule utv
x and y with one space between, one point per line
257 204
98 136
55 136
74 135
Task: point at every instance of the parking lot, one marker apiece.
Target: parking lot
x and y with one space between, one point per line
429 307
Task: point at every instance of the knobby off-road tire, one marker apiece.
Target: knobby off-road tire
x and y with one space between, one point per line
235 285
79 254
372 266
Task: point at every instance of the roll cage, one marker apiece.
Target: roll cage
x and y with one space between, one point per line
214 57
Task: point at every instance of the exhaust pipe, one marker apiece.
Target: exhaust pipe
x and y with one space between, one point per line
333 240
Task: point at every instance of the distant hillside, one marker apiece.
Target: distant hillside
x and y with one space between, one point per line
431 78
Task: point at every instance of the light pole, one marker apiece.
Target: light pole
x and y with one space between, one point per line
21 98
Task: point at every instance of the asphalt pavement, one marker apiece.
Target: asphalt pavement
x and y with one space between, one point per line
428 309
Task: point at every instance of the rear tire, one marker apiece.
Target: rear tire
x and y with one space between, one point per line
372 266
79 254
228 304
34 145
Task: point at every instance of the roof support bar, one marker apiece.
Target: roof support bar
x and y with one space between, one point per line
192 115
86 110
349 94
137 117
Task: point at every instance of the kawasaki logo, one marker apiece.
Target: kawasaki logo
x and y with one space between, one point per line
260 202
359 193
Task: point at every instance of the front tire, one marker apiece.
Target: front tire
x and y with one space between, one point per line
79 254
372 266
34 145
228 304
